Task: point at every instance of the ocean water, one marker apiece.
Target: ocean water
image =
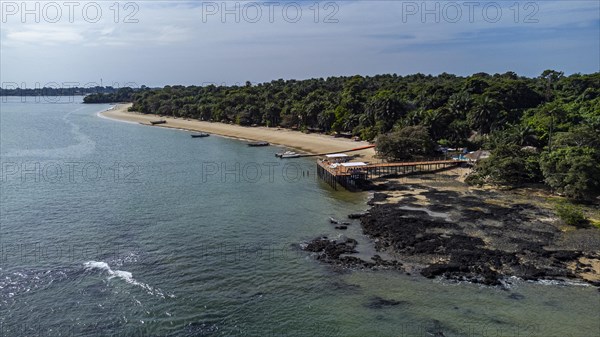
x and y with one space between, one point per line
117 229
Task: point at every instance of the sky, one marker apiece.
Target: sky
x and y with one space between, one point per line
157 43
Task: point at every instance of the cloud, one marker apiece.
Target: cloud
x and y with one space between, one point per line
45 36
176 41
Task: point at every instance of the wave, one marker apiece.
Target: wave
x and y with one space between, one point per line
513 282
27 280
123 275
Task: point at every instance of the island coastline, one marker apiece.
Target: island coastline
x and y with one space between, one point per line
311 143
420 201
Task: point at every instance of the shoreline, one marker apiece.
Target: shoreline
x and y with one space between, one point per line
439 227
308 143
447 229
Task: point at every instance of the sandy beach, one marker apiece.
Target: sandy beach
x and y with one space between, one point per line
309 143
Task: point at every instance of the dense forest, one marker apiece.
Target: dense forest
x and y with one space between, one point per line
539 130
116 96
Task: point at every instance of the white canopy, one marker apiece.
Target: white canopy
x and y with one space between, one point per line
354 164
336 155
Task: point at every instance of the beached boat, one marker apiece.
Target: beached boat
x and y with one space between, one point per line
343 135
287 154
200 135
257 144
158 122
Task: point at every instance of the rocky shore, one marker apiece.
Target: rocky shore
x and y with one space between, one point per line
442 228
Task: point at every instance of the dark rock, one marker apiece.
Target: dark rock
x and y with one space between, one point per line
379 303
566 255
464 256
335 252
338 285
436 330
516 296
356 215
331 249
377 197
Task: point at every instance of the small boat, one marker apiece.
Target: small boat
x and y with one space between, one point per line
200 135
158 122
287 154
343 135
333 221
290 155
356 215
257 144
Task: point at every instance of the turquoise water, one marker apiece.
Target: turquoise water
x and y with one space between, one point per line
117 229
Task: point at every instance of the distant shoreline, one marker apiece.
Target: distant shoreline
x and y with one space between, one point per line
309 143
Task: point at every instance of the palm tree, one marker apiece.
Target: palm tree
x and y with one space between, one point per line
483 116
459 104
525 135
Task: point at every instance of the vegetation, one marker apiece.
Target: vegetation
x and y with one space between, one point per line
509 164
51 91
539 130
406 143
121 95
572 167
571 214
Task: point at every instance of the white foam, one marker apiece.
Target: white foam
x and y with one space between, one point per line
123 275
96 265
561 283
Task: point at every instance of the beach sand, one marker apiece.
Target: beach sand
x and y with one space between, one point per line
308 143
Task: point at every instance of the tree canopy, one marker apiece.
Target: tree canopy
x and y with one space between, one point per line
531 125
406 143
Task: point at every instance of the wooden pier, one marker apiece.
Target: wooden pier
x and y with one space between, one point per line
337 176
348 177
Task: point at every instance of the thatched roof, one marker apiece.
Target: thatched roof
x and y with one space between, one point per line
476 155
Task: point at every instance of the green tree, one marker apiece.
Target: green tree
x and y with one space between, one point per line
484 115
407 143
508 165
573 171
384 109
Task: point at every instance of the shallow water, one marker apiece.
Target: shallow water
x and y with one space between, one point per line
116 229
443 215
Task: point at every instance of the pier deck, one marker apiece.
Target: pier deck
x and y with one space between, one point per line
347 177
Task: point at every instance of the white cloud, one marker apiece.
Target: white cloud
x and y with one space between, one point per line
44 36
171 39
